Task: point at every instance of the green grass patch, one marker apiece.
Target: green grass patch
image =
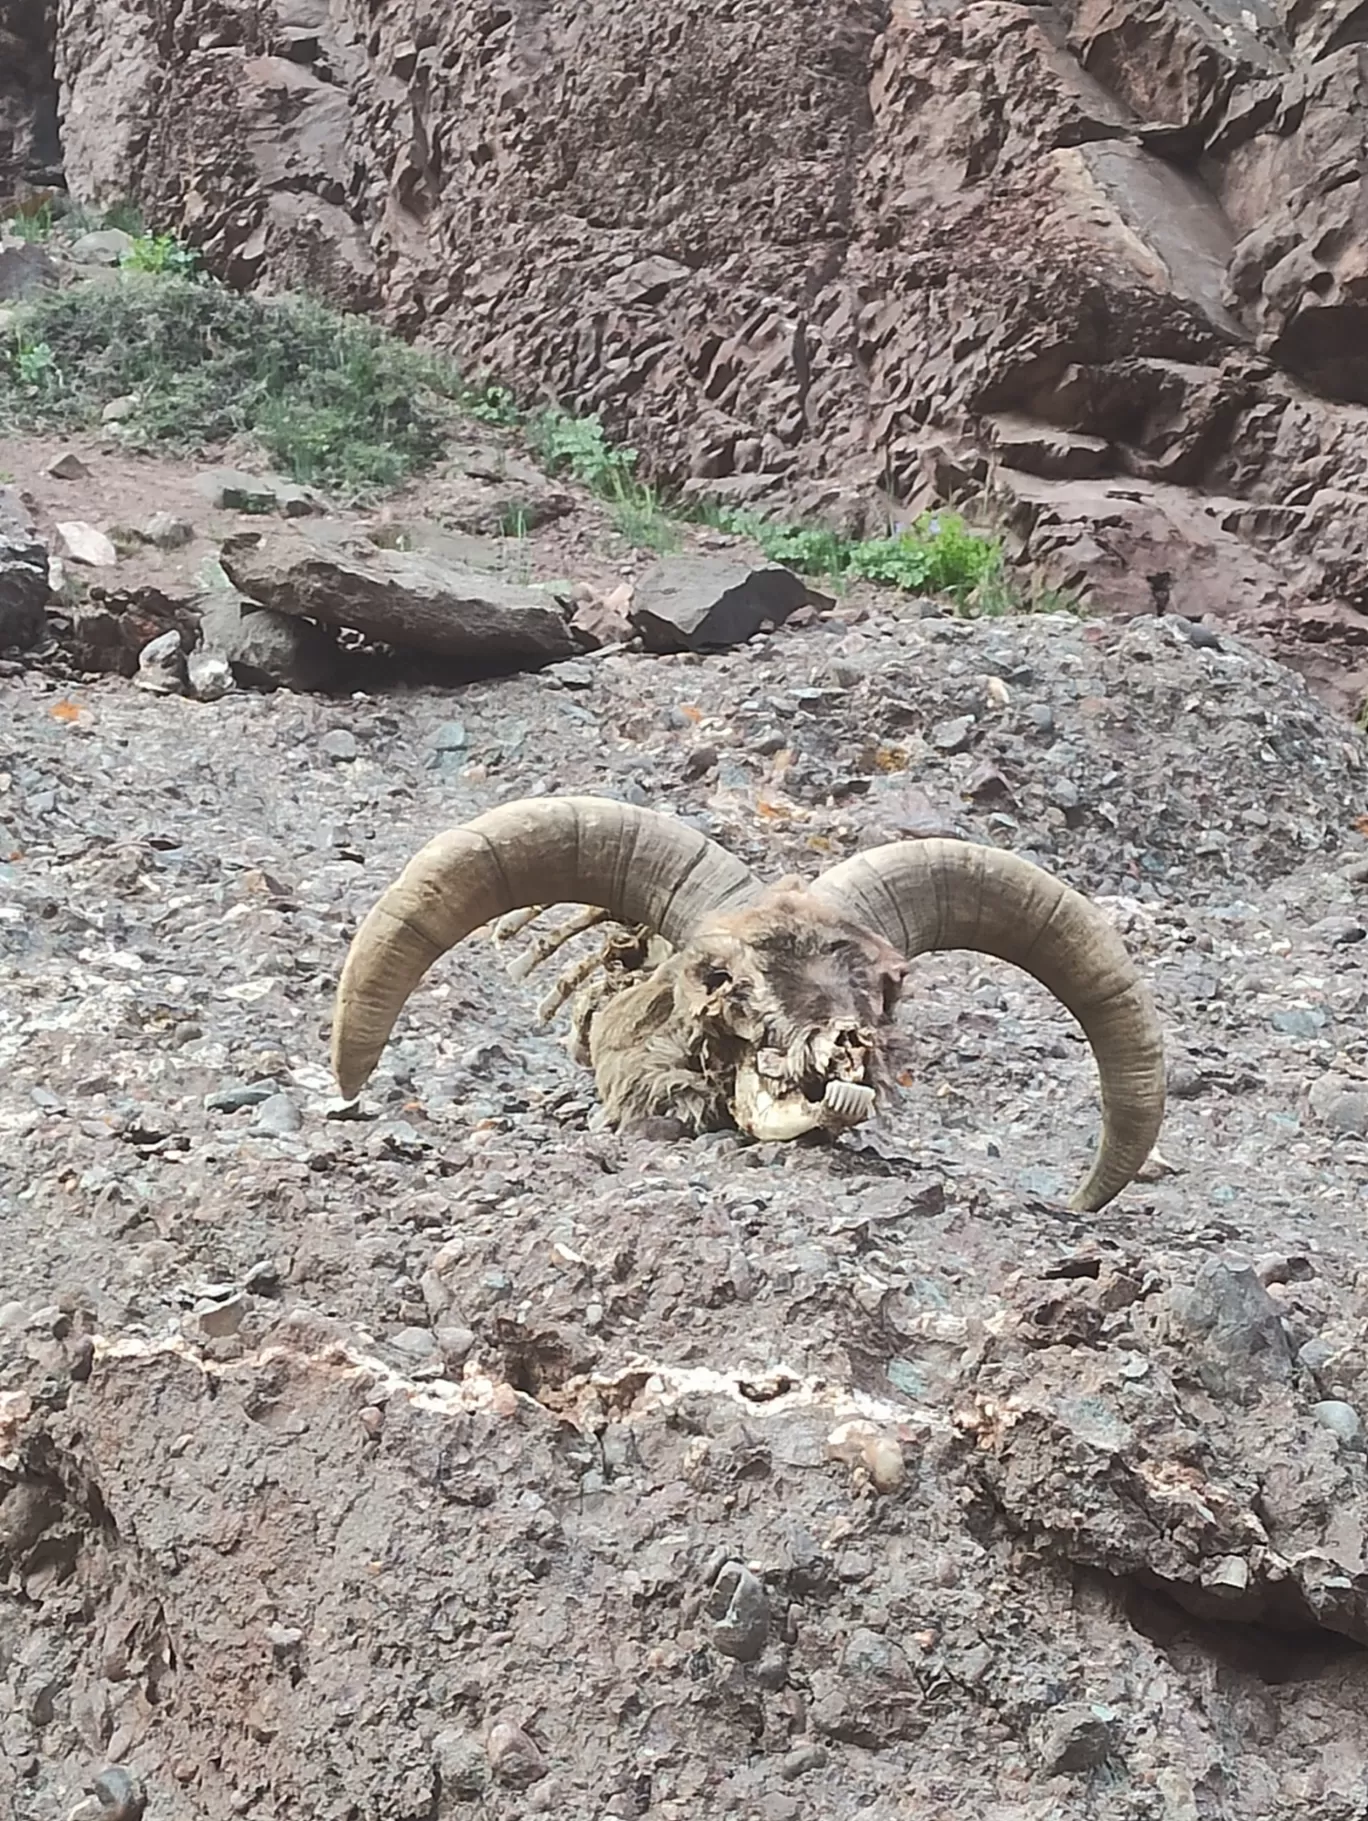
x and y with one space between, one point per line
941 554
160 254
331 399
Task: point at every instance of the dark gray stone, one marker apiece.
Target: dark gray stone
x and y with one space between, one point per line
266 650
24 590
706 603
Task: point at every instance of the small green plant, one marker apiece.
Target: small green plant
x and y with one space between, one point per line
492 405
578 446
31 224
35 365
160 254
640 518
514 521
940 554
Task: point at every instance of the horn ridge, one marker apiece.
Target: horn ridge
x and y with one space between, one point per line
935 895
637 864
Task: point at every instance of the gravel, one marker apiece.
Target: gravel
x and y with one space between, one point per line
548 1444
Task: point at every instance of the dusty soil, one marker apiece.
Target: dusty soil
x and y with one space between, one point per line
462 1459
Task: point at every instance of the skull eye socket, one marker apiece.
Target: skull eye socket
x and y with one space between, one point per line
715 978
892 992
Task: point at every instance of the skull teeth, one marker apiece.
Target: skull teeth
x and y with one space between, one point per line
848 1101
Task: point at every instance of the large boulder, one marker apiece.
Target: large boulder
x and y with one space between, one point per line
401 598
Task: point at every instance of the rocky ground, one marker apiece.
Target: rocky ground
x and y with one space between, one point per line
459 1458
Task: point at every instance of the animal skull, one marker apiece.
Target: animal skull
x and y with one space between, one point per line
774 1012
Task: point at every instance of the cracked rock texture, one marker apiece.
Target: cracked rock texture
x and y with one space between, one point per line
1106 260
461 1460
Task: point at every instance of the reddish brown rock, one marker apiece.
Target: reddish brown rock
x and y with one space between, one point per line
915 252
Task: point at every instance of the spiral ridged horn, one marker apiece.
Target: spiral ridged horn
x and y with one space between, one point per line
636 864
925 896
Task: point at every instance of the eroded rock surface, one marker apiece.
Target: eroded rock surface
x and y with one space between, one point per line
458 1459
1107 261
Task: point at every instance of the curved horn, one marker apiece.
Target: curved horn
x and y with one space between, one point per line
924 896
638 865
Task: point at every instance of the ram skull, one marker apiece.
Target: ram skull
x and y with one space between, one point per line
773 1008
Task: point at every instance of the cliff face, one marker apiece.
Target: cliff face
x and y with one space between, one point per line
1108 258
29 147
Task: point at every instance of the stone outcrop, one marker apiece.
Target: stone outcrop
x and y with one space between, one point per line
1105 261
30 150
405 598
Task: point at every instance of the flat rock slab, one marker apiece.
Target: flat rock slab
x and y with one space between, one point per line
403 598
705 603
232 491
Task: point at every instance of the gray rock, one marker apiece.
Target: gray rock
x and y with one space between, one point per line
571 675
706 603
240 1094
209 674
161 665
1341 1103
219 1318
739 1610
1339 932
26 271
451 736
103 247
454 1343
67 467
1232 1322
513 1756
1298 1021
1076 1737
229 490
167 531
84 543
266 650
121 1793
24 590
414 1343
340 745
278 1114
462 1768
1342 1420
400 598
1316 1354
953 736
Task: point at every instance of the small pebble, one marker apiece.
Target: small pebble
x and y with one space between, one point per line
1342 1420
514 1758
340 746
279 1115
739 1609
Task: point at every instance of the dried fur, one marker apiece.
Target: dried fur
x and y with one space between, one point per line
786 981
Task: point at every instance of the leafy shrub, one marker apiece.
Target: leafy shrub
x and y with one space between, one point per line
940 554
332 399
564 443
160 254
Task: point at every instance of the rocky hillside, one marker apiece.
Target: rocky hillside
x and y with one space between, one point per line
441 1454
1102 260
